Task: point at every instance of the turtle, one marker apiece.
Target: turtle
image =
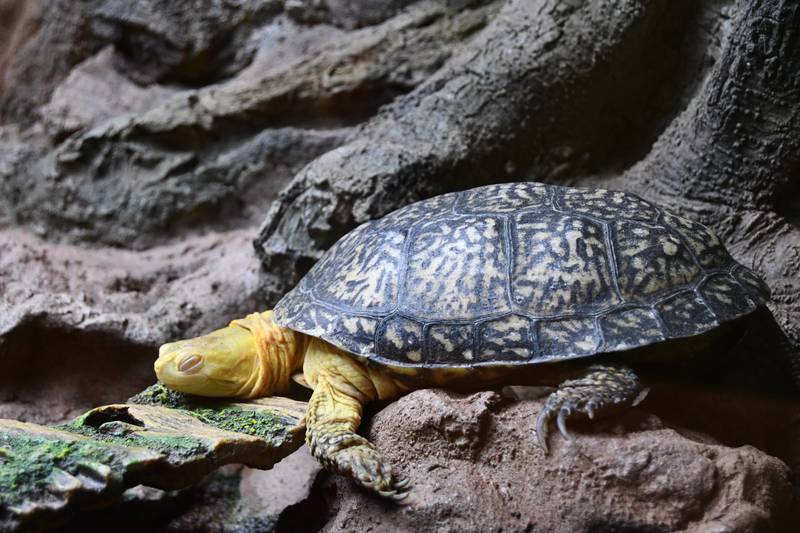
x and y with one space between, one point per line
501 284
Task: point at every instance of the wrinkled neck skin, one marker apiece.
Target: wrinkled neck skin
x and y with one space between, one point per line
282 351
255 357
279 352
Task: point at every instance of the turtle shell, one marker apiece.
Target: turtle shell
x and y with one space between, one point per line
519 273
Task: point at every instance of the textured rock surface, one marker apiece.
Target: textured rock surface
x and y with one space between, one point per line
160 439
250 499
215 156
475 466
145 145
80 329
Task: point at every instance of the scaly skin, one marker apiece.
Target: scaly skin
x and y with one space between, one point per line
603 390
255 357
342 385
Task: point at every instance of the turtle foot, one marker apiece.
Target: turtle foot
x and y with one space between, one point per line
369 468
600 392
351 455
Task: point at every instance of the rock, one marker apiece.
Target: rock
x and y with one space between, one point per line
475 466
94 92
160 438
47 39
80 329
248 499
14 16
216 157
204 48
347 14
269 492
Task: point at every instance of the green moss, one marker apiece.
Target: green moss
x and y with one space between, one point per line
114 433
233 418
218 413
108 441
29 461
160 395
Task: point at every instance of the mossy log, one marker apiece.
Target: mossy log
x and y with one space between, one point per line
159 438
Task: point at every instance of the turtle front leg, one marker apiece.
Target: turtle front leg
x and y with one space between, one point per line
342 385
602 390
331 422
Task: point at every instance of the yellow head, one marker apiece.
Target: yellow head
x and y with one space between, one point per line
250 358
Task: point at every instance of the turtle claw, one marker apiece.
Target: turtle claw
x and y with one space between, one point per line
546 417
352 455
401 490
563 413
600 391
403 483
373 472
400 496
543 429
397 494
590 407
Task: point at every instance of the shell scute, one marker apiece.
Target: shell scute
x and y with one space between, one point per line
751 283
403 219
706 247
505 338
308 316
625 328
576 336
651 259
685 314
400 339
504 198
448 342
606 205
724 296
518 274
561 265
355 332
457 269
361 271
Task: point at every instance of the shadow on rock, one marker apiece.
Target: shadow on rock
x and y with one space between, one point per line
51 374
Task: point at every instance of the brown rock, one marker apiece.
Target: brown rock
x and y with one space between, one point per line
475 466
266 493
161 439
248 499
44 40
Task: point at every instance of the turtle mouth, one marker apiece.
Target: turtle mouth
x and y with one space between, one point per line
190 364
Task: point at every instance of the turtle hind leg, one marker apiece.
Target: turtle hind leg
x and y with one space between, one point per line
602 390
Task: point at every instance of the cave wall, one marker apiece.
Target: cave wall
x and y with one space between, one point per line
168 166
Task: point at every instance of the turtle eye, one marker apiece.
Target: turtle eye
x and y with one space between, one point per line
190 364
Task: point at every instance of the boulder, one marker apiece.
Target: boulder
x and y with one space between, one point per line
475 466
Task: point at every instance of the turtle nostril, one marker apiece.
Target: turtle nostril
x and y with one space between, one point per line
190 364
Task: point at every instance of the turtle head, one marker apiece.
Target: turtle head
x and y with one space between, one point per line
217 364
252 357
